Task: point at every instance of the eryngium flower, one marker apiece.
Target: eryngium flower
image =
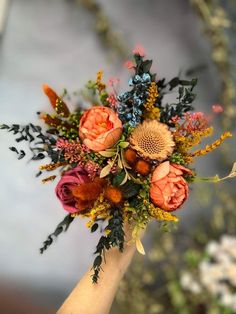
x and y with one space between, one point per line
152 140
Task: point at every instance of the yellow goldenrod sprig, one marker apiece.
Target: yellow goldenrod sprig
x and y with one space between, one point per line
212 146
48 179
52 166
161 215
151 111
100 85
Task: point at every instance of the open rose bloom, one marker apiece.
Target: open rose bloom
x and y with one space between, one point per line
100 128
168 188
64 189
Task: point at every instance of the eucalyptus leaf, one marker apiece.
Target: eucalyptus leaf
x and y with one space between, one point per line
124 144
125 179
117 180
105 171
120 165
107 153
233 169
130 189
140 247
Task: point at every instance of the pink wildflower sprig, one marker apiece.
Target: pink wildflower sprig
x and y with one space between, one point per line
139 50
129 65
112 99
217 108
73 151
92 169
193 122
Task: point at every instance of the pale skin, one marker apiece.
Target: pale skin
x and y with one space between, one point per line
89 298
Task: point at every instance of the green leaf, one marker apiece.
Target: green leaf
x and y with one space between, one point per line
120 165
125 179
174 82
105 171
97 262
94 227
147 64
117 180
124 144
107 154
130 189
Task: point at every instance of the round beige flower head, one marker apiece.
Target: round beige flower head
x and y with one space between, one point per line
152 140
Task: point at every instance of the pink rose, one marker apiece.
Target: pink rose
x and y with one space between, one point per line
64 188
100 128
168 188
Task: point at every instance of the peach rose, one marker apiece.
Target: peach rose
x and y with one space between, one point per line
100 128
168 188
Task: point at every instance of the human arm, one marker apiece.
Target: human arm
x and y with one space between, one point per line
89 298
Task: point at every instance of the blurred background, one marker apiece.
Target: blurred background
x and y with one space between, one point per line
64 43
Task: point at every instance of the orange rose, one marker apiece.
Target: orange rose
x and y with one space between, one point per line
100 128
168 188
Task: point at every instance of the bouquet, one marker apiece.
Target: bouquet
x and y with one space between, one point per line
129 158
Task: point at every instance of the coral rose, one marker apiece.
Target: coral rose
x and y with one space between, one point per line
100 128
168 188
71 179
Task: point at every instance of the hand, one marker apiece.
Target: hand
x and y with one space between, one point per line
89 298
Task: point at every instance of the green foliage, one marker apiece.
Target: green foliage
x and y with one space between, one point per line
185 98
63 226
114 238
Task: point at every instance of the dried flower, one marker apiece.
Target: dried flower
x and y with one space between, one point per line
70 179
113 194
169 190
112 100
143 167
129 64
56 102
152 140
100 128
217 108
100 85
139 50
212 146
160 214
92 169
73 151
89 191
130 156
113 81
152 95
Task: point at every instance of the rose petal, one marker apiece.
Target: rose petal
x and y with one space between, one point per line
161 171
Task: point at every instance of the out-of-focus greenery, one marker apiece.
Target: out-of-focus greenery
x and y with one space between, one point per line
153 284
111 39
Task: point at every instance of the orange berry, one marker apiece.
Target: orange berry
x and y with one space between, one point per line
113 194
143 167
130 156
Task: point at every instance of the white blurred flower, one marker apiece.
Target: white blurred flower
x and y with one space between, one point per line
189 283
216 274
212 248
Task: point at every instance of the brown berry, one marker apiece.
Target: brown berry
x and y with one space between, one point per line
143 167
130 156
